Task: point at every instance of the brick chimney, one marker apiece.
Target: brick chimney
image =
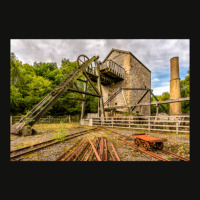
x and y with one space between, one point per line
175 89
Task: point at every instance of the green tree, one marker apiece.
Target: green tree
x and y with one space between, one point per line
15 70
30 84
163 97
185 92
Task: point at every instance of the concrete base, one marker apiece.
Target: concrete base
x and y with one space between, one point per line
27 131
86 122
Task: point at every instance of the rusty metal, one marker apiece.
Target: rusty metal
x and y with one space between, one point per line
101 148
159 145
146 145
68 150
83 157
148 138
79 153
148 152
87 150
137 142
106 150
73 154
149 141
111 155
116 155
141 149
130 138
97 148
94 149
175 155
47 141
87 158
47 144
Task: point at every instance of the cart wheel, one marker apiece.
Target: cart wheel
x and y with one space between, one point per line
159 145
146 145
137 142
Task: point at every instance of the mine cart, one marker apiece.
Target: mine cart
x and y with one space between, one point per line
147 141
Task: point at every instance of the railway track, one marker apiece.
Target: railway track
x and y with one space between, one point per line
145 151
96 149
18 153
175 155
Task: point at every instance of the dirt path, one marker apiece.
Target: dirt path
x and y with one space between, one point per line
178 144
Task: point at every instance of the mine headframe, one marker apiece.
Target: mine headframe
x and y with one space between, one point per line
84 64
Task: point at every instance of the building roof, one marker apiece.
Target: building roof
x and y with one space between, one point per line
126 52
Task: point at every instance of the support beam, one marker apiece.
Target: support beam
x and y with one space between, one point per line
84 100
101 111
113 96
76 86
81 80
75 99
169 101
157 100
91 83
134 89
140 99
152 103
82 92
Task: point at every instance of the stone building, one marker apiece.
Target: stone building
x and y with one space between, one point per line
130 73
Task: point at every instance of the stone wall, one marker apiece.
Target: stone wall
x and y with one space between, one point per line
136 76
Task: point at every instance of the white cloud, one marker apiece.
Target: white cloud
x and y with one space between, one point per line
160 90
155 79
155 54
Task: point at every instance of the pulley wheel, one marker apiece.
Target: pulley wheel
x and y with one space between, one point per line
81 60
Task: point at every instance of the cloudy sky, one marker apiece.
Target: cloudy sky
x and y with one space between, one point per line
154 54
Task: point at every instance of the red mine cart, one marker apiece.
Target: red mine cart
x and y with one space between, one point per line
148 141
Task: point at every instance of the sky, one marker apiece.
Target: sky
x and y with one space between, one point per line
155 54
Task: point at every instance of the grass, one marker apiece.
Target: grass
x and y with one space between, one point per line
32 155
176 143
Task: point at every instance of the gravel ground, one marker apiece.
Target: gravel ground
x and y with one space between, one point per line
178 144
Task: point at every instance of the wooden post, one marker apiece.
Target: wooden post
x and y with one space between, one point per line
10 120
102 113
177 125
69 119
84 97
149 124
157 109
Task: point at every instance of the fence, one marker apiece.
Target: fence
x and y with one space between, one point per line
49 119
177 124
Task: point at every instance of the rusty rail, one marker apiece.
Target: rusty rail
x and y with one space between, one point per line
175 155
115 152
148 152
95 151
30 149
87 151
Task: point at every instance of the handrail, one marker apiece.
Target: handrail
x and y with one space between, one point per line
113 66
